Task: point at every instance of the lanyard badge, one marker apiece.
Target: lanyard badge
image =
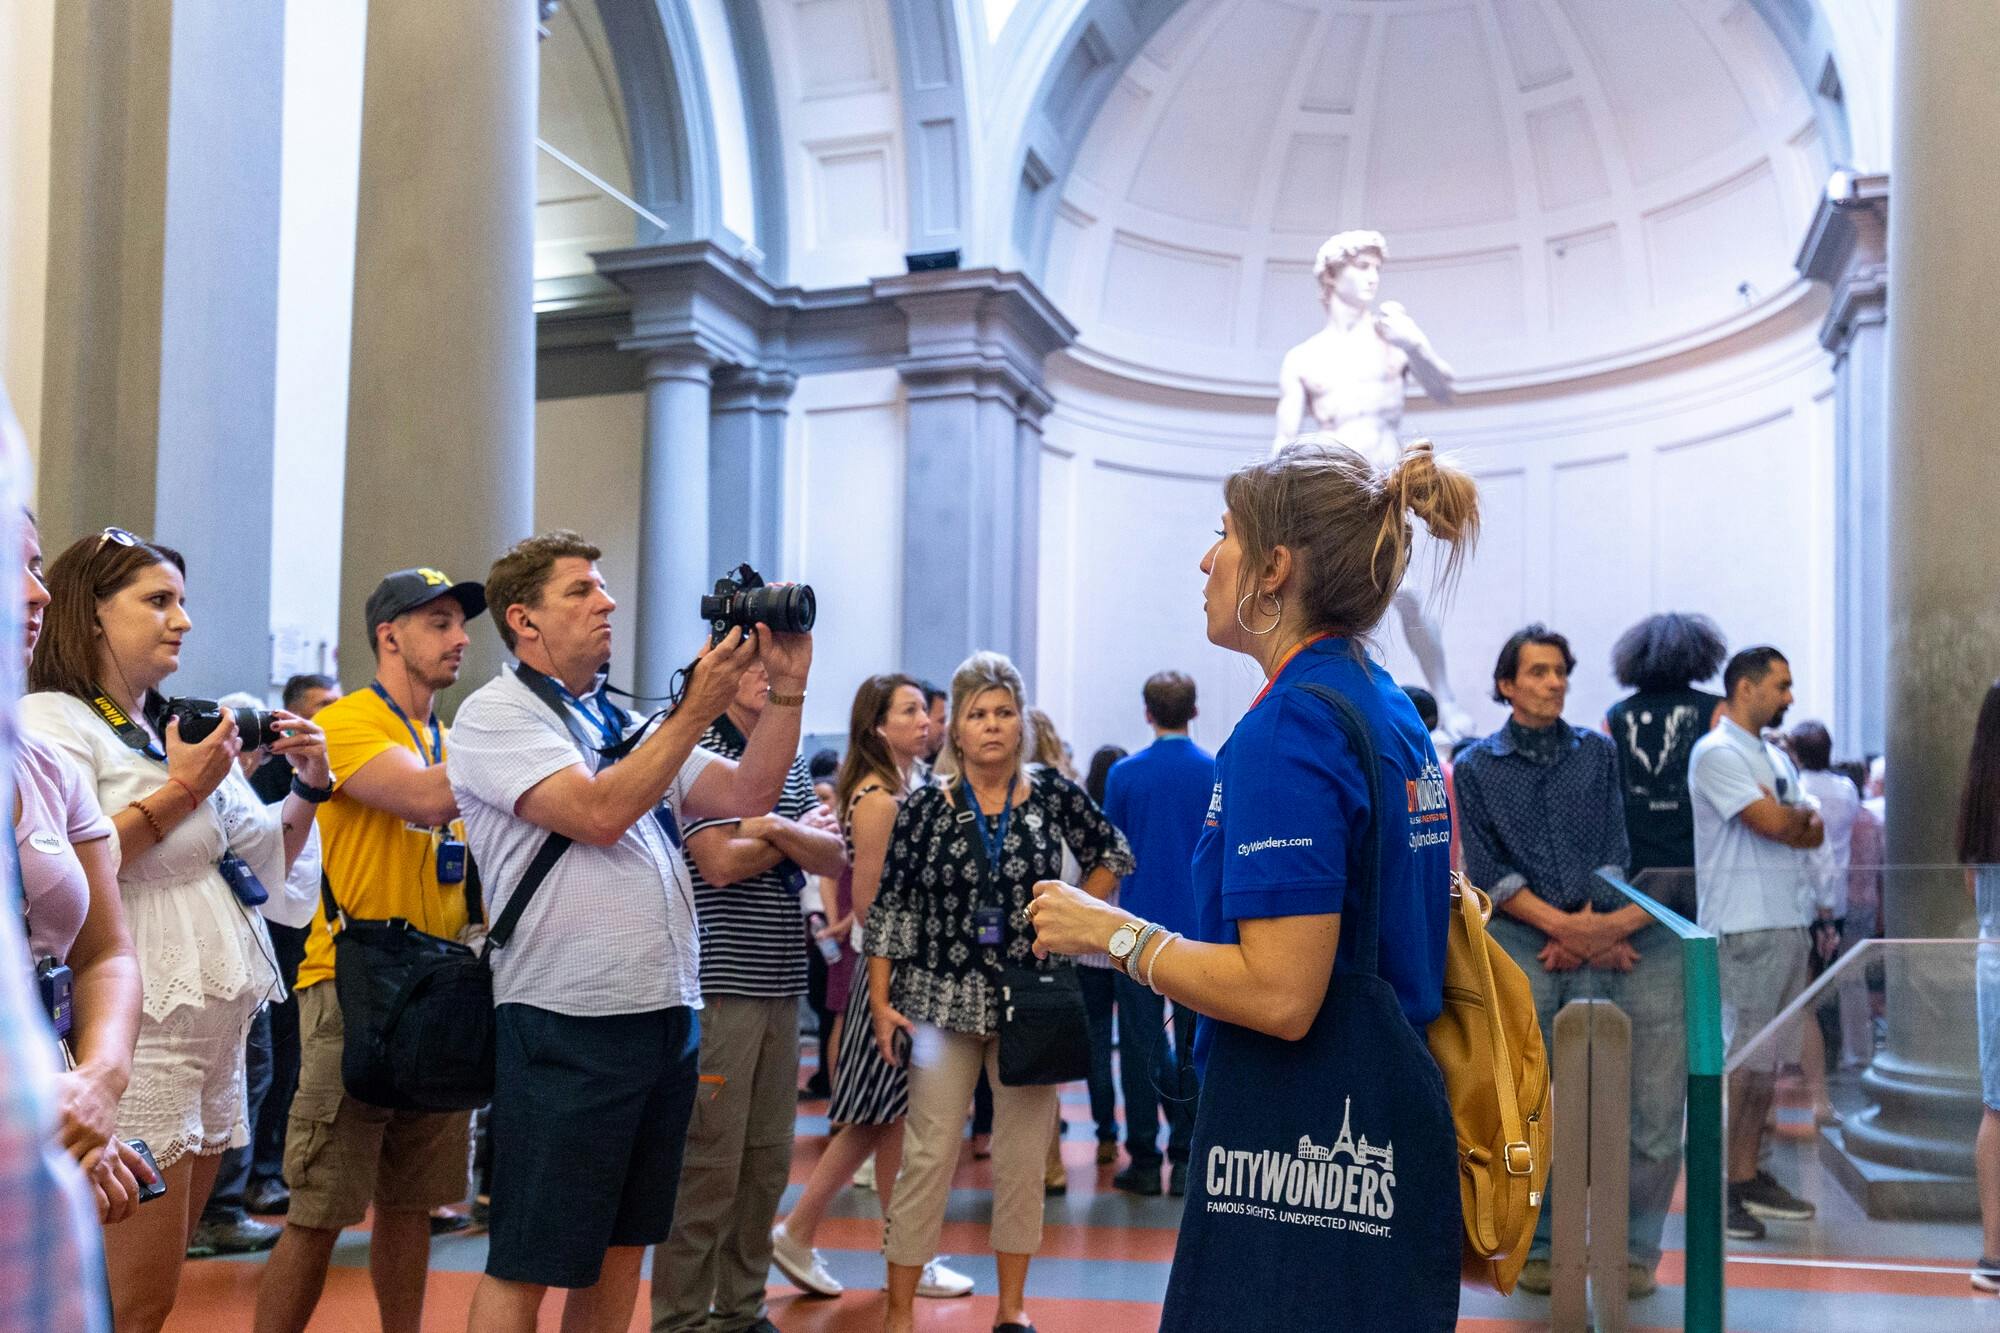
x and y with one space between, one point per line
990 921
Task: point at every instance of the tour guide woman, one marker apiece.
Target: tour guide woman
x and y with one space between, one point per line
1323 1143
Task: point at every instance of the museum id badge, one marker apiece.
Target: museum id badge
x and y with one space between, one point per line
451 861
990 921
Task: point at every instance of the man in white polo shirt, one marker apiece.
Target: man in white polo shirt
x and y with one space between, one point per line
1754 831
596 991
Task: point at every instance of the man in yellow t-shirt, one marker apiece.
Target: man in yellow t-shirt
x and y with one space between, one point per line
392 846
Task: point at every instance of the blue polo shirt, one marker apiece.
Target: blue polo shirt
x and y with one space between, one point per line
1289 801
1158 798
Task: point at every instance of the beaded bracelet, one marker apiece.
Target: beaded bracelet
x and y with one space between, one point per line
152 820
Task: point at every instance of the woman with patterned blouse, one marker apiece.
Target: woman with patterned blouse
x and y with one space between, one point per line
951 913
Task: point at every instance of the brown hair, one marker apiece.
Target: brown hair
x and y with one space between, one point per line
1050 752
522 571
867 753
89 570
1169 697
1979 804
1347 526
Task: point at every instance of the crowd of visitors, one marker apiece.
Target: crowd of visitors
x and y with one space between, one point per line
684 888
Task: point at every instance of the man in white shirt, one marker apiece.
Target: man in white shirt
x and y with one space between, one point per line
597 989
1756 886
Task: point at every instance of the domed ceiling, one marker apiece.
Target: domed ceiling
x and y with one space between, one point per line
1566 185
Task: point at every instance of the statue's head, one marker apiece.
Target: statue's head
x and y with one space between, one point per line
1339 255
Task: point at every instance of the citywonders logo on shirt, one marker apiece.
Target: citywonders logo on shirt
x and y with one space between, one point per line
1430 812
1348 1185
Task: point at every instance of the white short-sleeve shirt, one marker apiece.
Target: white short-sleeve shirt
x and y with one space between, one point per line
612 929
1743 880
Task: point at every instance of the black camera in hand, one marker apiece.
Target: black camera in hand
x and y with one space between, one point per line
743 599
199 717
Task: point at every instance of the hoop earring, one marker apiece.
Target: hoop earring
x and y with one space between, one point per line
1276 615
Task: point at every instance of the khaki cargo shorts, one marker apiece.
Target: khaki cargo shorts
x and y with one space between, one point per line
342 1155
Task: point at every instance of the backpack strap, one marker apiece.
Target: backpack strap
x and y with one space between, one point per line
1472 907
1363 908
546 856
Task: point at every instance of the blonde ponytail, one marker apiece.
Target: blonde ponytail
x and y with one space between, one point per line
1445 498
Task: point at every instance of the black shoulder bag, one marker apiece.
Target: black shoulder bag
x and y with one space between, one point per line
418 1009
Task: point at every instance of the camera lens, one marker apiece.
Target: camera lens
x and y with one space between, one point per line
256 727
788 610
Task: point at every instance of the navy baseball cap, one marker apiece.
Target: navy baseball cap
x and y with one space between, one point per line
408 589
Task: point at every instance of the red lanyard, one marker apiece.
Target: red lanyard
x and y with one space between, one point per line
1287 661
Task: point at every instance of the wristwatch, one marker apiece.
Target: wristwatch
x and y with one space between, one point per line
1123 940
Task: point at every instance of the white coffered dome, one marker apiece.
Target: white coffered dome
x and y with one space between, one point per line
1568 186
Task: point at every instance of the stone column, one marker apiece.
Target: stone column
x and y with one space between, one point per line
673 518
440 452
1914 1144
161 368
746 459
972 519
1847 248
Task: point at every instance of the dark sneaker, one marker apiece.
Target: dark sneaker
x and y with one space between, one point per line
1986 1274
1765 1197
232 1236
269 1197
1639 1282
445 1222
1140 1179
1177 1180
1741 1224
1535 1278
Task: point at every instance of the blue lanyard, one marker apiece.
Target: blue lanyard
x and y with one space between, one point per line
995 842
436 755
607 725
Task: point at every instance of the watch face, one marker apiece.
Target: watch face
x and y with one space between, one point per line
1122 940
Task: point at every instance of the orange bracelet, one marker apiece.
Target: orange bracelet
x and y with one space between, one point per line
152 820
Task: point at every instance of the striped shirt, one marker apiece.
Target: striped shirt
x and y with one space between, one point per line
753 935
612 929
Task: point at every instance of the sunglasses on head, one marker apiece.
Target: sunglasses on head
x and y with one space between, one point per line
117 537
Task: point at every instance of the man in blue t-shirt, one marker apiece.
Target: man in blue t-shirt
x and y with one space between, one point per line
1158 798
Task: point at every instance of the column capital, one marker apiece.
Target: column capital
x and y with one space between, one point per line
673 360
1846 247
764 388
980 331
697 294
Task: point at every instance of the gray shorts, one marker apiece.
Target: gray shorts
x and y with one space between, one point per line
1762 971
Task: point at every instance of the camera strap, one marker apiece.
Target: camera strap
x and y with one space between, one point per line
552 694
125 728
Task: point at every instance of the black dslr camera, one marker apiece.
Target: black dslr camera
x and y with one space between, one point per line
199 717
742 599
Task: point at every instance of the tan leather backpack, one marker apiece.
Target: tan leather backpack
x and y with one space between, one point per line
1496 1074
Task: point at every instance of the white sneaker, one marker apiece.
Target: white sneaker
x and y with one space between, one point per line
864 1178
803 1266
942 1283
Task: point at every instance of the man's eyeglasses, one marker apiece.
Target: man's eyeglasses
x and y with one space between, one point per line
117 537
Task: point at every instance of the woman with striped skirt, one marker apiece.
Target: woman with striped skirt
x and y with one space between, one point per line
888 731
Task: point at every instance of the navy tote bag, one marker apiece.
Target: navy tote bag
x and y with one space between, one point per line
1325 1171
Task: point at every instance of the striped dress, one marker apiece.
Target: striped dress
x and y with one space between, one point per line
867 1090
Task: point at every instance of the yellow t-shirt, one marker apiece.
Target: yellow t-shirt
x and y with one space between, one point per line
379 866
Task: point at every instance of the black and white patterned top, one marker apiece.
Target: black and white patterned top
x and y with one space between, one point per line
924 916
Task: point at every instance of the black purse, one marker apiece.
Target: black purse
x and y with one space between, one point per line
1044 1031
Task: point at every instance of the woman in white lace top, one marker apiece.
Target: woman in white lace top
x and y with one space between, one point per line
111 636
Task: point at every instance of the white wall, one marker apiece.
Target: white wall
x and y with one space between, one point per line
834 66
1702 487
27 56
844 474
325 42
587 463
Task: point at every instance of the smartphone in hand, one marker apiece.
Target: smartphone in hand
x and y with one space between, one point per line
157 1186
